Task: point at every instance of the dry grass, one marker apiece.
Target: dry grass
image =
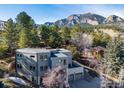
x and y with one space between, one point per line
8 83
5 62
3 66
110 32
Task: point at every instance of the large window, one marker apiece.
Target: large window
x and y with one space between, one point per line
43 68
46 67
43 57
32 68
19 66
65 63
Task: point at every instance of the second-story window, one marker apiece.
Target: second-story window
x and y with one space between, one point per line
32 68
46 67
19 66
41 68
43 57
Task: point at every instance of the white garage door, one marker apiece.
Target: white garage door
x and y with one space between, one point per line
78 76
71 77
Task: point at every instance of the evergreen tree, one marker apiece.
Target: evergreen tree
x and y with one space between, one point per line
66 35
55 39
44 33
25 20
10 34
100 39
76 54
22 39
111 61
3 46
25 23
34 39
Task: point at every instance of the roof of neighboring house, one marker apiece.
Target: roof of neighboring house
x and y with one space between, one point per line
87 50
98 48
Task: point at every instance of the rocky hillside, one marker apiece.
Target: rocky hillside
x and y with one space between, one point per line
113 18
88 18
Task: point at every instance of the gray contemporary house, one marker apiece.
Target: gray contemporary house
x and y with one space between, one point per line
33 63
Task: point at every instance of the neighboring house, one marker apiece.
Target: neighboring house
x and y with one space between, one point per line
94 53
33 63
92 56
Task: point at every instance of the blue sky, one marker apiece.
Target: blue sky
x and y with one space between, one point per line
51 12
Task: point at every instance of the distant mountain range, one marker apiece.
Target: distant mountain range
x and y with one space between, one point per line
83 19
87 18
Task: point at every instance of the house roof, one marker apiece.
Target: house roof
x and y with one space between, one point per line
32 50
42 50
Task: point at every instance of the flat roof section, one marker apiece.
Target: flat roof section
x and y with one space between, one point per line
59 55
33 50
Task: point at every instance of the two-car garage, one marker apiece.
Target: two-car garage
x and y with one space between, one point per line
75 73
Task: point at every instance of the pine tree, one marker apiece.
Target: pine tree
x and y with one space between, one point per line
34 39
66 35
25 23
44 33
54 40
110 62
10 34
22 39
3 46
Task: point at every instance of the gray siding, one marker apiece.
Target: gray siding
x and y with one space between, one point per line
41 61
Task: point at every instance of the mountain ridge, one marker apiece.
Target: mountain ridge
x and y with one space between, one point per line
86 18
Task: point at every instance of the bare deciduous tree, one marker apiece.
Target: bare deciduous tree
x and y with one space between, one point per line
82 40
56 78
